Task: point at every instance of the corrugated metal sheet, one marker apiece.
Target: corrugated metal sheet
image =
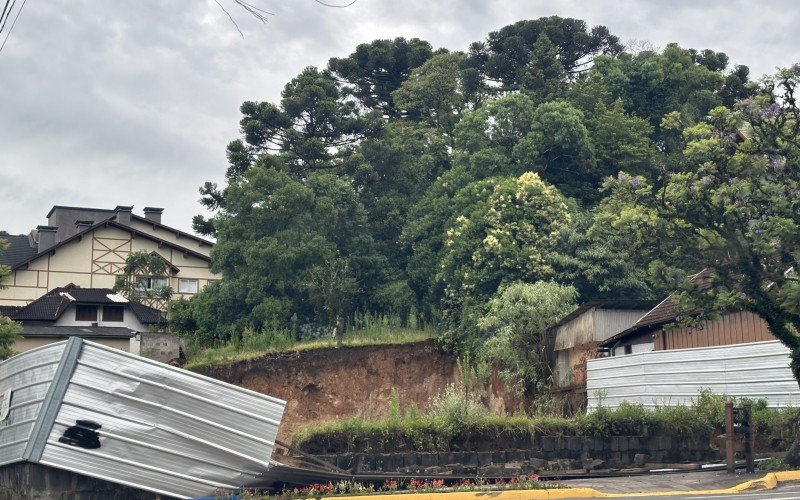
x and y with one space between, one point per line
164 429
29 378
595 324
733 328
609 322
661 378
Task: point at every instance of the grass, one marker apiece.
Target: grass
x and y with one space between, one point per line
257 345
439 430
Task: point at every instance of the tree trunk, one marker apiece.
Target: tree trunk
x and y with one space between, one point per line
794 364
339 330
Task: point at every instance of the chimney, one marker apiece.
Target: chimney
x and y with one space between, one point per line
124 214
83 225
153 214
47 237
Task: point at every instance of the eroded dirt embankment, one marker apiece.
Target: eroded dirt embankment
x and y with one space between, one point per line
327 385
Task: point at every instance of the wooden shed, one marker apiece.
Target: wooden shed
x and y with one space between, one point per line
576 339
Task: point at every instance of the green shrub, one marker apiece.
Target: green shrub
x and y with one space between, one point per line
772 464
457 409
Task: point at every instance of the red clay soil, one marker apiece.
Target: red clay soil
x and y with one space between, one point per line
328 385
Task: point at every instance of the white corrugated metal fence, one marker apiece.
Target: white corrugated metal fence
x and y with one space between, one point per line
758 370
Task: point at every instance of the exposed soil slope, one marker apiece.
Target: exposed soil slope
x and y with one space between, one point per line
327 385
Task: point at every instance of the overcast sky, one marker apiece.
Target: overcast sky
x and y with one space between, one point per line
132 103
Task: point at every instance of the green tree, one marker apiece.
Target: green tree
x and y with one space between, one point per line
390 174
511 59
733 209
653 84
598 267
376 69
501 230
144 279
516 323
499 125
313 128
220 312
559 148
545 76
621 141
9 333
332 288
273 230
437 93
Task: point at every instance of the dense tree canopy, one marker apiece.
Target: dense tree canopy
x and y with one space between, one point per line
376 69
546 161
731 207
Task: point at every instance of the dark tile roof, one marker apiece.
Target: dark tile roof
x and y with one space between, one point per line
178 232
91 295
19 249
9 310
124 227
148 315
51 305
46 308
107 332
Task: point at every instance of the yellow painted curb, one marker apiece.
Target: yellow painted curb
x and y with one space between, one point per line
768 482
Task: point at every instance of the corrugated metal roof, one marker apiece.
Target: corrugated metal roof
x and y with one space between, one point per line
29 376
127 419
624 304
664 312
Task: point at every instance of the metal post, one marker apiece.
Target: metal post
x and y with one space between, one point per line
730 458
750 438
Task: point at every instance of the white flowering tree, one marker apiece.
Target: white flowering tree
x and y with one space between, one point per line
503 230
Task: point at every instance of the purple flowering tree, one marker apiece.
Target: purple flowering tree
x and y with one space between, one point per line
731 206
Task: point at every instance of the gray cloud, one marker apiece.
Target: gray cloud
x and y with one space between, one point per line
106 103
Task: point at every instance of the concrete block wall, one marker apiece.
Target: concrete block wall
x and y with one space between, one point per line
158 346
27 481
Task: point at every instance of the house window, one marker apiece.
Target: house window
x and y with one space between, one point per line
113 313
85 313
628 349
187 286
150 283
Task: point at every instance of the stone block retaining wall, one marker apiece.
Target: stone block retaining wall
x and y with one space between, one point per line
550 453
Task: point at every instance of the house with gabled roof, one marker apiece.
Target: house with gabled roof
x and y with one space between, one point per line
660 330
88 247
97 314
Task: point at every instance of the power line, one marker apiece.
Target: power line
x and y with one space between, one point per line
5 9
13 23
336 6
7 14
